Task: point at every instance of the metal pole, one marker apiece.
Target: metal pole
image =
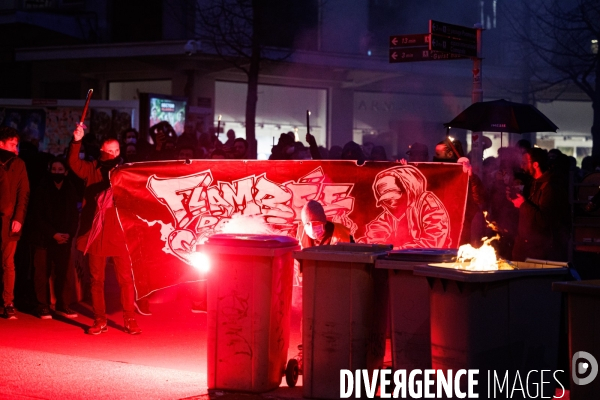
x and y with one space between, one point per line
477 96
477 225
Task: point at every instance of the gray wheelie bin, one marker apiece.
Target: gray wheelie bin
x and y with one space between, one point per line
409 305
249 303
583 303
505 321
344 314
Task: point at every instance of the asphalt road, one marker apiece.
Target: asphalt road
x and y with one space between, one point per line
55 359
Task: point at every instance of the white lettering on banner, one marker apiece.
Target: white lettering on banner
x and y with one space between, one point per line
201 207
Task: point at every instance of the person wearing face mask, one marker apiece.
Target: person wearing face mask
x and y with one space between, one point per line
55 217
100 235
131 139
315 230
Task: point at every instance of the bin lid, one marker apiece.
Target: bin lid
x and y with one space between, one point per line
243 240
360 247
424 255
344 252
485 276
591 287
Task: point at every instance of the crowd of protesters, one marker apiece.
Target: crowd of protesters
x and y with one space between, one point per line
522 193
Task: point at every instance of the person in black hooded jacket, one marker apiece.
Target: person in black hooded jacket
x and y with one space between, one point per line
55 217
100 233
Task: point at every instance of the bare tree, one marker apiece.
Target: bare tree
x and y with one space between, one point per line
244 33
560 39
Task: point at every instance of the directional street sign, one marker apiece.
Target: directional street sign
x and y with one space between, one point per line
454 31
420 54
444 42
421 39
453 46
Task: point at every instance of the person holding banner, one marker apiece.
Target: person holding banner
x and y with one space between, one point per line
451 150
100 234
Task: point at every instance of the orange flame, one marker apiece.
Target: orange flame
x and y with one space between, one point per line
492 225
481 259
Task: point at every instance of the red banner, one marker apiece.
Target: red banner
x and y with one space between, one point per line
166 208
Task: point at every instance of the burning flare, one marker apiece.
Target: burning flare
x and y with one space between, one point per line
200 261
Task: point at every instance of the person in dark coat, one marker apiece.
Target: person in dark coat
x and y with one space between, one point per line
543 214
451 151
13 206
352 151
284 149
55 215
100 234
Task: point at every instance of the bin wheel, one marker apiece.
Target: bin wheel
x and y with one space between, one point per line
291 373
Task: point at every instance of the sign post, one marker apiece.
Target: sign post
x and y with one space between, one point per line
419 54
461 40
447 42
476 97
407 48
420 39
477 137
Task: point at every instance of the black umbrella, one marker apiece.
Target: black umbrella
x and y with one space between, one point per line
502 116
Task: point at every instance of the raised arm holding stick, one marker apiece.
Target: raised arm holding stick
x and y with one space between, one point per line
100 234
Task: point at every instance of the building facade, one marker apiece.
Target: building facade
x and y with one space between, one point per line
329 57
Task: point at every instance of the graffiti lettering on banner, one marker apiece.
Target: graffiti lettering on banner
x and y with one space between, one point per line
167 208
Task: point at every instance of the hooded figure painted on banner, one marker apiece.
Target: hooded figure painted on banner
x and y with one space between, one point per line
413 217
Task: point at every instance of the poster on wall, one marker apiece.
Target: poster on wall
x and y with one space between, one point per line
51 128
110 122
60 123
167 208
30 122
